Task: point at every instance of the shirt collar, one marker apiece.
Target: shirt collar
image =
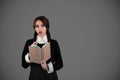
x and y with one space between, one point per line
42 40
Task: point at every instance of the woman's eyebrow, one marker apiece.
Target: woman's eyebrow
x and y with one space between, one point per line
36 25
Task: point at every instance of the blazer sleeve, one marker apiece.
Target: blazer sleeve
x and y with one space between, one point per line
58 64
25 51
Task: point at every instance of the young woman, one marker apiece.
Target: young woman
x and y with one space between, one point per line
45 70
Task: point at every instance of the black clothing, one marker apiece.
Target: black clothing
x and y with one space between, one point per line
36 72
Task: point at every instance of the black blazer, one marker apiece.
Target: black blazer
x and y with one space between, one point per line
56 57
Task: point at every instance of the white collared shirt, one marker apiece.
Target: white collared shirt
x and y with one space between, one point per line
41 41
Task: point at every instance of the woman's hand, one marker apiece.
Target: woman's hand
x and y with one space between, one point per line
34 44
44 65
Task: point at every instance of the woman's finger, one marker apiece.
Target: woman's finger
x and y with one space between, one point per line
34 44
44 66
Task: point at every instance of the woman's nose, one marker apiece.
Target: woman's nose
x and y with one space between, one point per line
40 28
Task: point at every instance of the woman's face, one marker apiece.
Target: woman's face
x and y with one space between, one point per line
40 28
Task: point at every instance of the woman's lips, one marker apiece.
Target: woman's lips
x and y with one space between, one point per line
40 32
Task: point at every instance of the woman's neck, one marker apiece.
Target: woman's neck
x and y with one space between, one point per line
41 36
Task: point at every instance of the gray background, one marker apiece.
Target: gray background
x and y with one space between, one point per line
87 32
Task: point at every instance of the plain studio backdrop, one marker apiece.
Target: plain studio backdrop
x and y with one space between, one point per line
88 32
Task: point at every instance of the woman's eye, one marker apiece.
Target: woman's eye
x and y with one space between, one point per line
36 26
42 25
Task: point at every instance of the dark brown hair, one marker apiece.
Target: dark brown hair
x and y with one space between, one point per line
45 22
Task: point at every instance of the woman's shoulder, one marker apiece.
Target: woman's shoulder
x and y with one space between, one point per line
29 41
54 41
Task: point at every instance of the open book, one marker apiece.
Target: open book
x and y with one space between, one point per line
38 54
